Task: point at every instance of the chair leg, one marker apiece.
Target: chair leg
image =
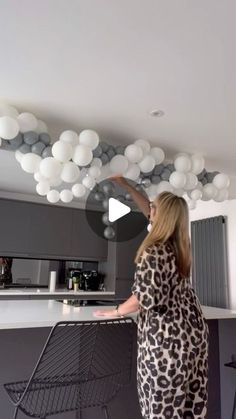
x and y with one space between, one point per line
105 412
234 407
15 413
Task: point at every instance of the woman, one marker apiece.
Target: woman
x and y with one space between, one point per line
172 332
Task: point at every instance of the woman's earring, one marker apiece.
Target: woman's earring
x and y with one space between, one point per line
149 227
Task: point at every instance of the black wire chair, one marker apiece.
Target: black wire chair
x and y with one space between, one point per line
82 365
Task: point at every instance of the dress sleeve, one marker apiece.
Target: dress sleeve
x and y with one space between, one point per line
152 280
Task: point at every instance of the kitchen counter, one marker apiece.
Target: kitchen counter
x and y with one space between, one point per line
45 294
31 314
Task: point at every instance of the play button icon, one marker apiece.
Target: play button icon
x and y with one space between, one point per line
117 209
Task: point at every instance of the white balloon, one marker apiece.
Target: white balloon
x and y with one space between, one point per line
196 194
9 127
179 192
43 188
94 172
96 162
158 154
41 127
62 151
133 172
27 122
8 110
30 162
182 163
78 190
164 186
55 181
177 180
70 137
50 167
89 138
88 182
222 195
192 204
198 164
199 186
119 164
0 142
18 155
191 181
221 181
147 164
82 155
144 145
134 153
66 196
53 196
152 192
70 172
39 177
209 191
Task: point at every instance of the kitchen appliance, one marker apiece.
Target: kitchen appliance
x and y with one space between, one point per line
91 280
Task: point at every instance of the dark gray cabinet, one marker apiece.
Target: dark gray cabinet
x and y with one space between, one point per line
88 242
14 227
50 230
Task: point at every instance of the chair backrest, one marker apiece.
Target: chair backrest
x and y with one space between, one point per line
83 364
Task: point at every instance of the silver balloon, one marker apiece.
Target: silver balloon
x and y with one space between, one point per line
108 188
47 152
165 175
158 169
30 137
105 219
38 148
98 151
105 204
155 179
99 196
104 146
45 138
109 233
104 158
146 182
17 141
25 148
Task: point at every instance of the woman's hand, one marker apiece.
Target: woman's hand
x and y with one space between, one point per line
105 313
120 180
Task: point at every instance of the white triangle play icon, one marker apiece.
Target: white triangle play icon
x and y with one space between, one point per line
116 209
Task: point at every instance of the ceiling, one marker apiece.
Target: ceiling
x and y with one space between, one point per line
104 64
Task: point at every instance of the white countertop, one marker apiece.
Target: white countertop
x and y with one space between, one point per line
44 293
27 314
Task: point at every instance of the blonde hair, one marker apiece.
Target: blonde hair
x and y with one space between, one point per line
170 224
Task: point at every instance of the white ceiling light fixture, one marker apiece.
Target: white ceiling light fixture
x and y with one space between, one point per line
156 113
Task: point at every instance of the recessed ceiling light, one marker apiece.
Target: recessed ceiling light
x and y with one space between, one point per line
157 113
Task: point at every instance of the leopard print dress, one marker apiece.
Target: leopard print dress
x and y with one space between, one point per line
172 367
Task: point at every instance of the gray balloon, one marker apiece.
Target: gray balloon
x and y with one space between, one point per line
8 146
204 181
148 174
120 149
109 233
98 151
210 176
165 175
104 158
105 219
155 179
111 152
202 174
17 141
99 196
38 148
146 182
25 148
171 167
108 188
104 146
47 152
31 137
105 204
158 169
45 138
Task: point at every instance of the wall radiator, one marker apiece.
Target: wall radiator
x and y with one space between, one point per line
210 262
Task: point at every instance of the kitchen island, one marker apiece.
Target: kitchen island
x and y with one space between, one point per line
45 294
25 325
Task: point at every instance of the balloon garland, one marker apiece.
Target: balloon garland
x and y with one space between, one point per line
73 165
